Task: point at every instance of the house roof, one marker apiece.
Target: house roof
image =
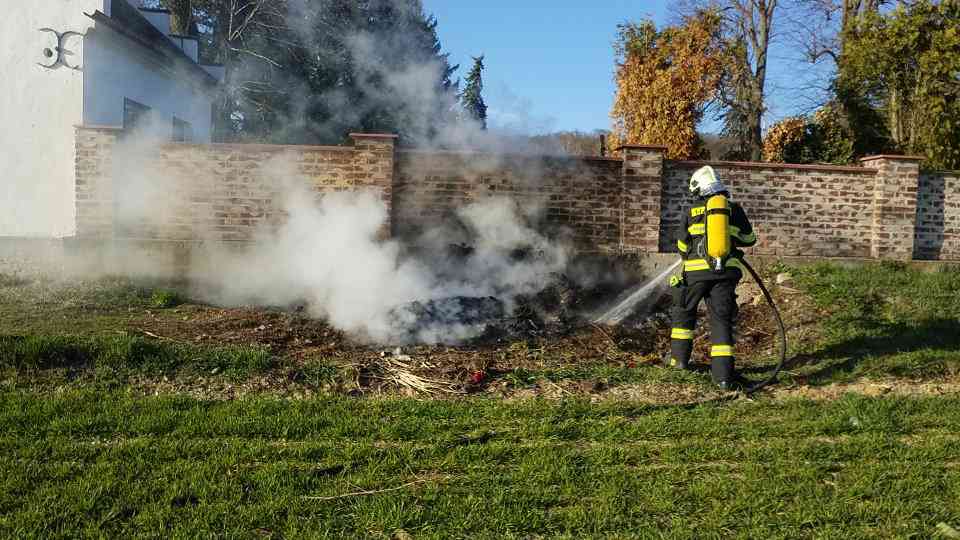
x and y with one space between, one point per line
127 21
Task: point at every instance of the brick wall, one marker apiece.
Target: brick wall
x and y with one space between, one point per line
796 210
581 195
938 216
883 209
218 192
94 181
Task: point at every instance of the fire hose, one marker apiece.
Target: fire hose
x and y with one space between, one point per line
759 385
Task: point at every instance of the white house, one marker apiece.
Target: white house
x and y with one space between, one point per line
67 63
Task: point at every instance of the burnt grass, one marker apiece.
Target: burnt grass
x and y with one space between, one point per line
845 325
114 331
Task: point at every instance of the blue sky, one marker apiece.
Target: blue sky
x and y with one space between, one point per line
550 62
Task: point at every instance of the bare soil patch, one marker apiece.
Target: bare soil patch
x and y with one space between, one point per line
494 366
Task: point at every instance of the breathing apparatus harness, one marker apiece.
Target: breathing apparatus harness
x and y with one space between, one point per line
716 247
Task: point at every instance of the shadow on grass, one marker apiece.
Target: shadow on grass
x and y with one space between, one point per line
927 348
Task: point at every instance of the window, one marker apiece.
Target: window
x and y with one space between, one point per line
182 130
135 115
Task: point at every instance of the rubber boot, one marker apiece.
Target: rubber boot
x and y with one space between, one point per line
724 376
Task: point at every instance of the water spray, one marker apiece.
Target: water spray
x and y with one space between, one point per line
628 302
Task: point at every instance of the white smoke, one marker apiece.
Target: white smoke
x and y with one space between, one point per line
331 254
328 255
499 228
412 91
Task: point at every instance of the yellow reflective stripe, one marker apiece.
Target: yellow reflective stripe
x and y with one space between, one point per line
721 350
682 246
697 229
681 333
694 265
698 211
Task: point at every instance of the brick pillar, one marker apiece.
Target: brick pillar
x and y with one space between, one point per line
93 171
894 205
374 163
640 198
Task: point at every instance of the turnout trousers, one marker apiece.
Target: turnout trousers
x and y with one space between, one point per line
721 298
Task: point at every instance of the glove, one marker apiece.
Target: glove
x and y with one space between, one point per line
676 280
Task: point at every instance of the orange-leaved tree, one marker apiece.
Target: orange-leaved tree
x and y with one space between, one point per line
665 81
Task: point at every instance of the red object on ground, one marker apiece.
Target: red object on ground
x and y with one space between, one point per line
477 377
631 364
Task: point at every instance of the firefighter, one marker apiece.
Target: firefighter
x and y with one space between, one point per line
712 230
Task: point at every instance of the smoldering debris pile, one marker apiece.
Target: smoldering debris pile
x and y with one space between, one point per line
469 315
561 305
551 311
494 271
546 313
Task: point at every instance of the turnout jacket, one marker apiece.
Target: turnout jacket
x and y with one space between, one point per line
691 240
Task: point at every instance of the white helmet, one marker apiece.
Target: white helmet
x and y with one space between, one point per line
705 183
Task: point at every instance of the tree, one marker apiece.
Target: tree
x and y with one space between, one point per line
735 93
821 29
716 146
748 28
785 140
904 65
823 25
822 138
471 98
398 71
311 71
251 39
181 16
246 37
665 81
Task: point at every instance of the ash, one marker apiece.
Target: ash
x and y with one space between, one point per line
558 309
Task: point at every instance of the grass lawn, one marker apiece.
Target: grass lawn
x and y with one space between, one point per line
90 453
107 464
881 320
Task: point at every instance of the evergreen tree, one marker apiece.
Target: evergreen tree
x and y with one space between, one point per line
471 99
311 71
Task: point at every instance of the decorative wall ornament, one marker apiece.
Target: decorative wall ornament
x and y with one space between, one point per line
59 54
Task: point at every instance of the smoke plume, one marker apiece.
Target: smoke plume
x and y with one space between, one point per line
330 256
329 253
